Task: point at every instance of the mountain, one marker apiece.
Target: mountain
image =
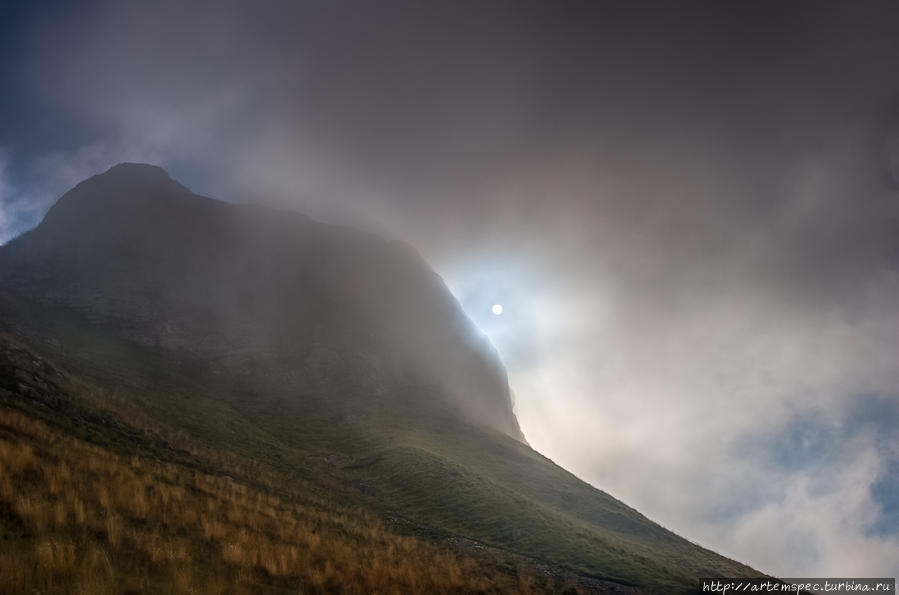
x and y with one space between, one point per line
249 287
326 368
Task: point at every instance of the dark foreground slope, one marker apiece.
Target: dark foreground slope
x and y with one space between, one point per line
97 497
334 361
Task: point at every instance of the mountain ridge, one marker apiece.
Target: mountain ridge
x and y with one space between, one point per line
252 283
340 363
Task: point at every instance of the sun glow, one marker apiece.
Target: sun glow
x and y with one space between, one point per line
497 309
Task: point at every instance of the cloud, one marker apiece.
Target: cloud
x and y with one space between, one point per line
6 228
690 215
665 391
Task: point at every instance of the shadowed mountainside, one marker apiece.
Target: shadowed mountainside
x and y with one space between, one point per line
335 361
251 287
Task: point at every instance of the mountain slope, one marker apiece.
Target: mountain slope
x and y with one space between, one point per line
97 497
253 287
335 358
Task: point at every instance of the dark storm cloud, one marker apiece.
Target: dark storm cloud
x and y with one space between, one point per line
689 210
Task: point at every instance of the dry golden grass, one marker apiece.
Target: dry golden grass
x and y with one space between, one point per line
78 518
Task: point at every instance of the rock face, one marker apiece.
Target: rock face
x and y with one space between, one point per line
242 285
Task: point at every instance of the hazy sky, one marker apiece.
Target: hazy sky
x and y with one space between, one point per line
690 212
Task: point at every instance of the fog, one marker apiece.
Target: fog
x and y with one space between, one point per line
690 215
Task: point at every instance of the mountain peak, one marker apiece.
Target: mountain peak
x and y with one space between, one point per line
127 175
134 169
124 190
137 251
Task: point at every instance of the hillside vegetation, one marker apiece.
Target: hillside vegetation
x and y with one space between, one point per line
390 468
88 516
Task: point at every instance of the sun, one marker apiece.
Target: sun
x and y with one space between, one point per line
497 309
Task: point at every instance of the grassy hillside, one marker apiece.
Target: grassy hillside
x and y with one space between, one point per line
402 463
98 497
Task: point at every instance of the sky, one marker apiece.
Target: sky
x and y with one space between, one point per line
689 212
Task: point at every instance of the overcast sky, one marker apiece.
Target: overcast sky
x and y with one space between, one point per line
689 211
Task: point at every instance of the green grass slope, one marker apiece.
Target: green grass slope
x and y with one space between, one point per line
399 455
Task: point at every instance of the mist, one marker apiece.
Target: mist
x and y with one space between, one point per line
690 215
